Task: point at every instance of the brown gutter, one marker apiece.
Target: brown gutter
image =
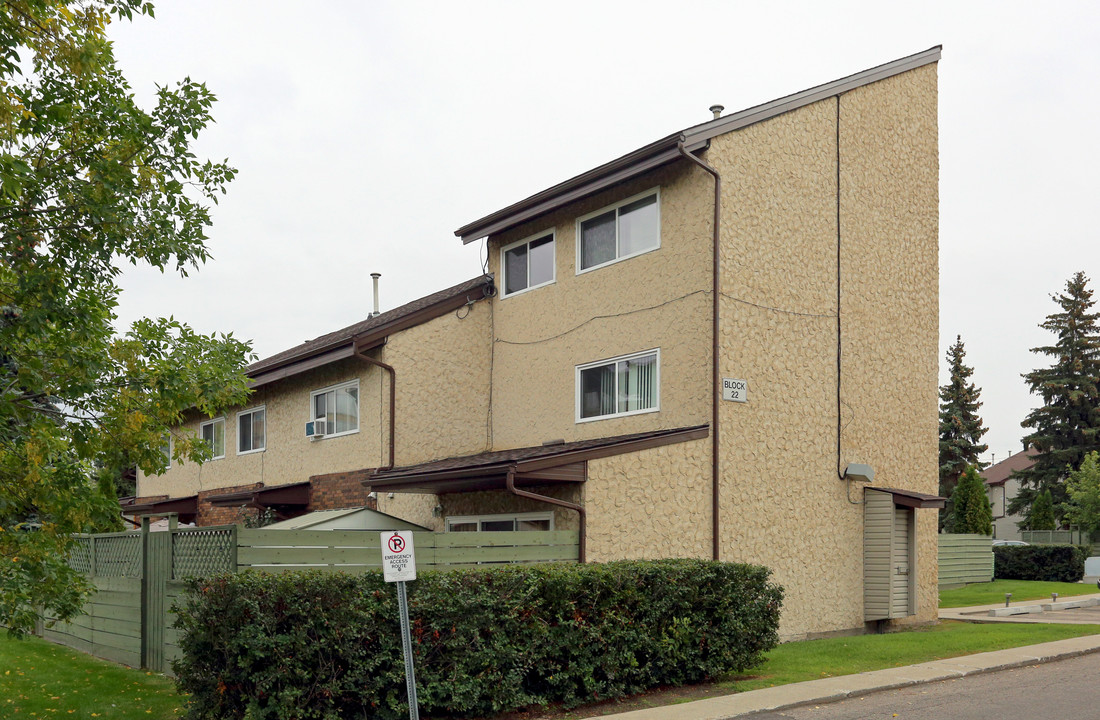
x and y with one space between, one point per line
510 483
714 449
393 397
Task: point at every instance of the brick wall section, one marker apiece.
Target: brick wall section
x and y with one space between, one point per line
336 491
210 515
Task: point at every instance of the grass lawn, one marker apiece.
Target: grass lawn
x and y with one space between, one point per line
994 592
42 680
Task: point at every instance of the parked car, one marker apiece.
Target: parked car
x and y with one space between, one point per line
1009 542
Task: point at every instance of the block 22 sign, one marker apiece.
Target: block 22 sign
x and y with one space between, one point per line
735 390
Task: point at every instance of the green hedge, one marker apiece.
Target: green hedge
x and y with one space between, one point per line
1051 563
312 645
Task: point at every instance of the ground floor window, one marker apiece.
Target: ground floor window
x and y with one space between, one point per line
506 522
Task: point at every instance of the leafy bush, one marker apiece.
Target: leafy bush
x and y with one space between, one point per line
313 645
1053 563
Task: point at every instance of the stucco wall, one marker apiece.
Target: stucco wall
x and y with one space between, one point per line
442 391
655 300
782 502
650 504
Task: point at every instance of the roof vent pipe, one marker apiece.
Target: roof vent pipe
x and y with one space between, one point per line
375 277
717 110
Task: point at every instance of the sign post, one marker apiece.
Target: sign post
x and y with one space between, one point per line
399 566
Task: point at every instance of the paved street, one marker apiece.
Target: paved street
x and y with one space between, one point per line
1062 689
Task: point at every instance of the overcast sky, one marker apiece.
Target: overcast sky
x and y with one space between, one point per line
365 133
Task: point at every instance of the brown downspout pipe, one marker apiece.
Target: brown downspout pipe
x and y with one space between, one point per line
510 483
393 398
714 454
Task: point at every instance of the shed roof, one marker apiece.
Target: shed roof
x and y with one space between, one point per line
912 498
666 150
535 465
368 333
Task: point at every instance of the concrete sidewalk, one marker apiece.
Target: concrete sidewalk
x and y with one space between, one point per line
838 688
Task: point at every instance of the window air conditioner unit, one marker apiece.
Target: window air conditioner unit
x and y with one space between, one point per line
315 429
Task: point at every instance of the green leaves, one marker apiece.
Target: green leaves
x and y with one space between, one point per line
312 645
961 429
90 181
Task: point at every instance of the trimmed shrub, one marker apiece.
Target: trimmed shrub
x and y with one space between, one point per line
313 645
1051 563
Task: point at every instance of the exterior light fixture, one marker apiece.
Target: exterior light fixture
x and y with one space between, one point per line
859 472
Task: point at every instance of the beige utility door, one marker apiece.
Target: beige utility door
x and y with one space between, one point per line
900 562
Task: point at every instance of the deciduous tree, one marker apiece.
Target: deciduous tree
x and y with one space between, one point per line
1067 425
90 181
1083 495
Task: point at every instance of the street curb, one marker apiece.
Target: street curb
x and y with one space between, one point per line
843 687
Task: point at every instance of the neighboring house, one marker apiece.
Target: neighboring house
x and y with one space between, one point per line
666 386
1002 488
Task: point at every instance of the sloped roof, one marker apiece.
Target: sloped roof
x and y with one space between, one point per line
539 464
666 149
368 333
1002 471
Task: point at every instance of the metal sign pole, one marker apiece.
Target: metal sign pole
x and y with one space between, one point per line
406 644
398 566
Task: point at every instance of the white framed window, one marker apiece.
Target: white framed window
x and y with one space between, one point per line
338 407
213 434
528 263
252 430
626 385
504 522
627 228
166 449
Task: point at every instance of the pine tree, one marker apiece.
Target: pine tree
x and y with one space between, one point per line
1042 513
972 513
961 429
1067 426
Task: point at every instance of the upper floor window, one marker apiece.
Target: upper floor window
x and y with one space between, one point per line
628 228
625 385
213 433
166 448
338 407
251 430
528 263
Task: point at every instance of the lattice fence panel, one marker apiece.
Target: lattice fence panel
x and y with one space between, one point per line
118 555
202 551
80 557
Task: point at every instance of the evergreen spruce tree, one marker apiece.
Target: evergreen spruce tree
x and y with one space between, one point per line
1067 426
972 512
1042 512
961 429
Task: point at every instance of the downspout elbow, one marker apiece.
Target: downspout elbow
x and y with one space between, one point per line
510 484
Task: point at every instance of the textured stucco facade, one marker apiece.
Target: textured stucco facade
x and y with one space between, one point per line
441 400
828 212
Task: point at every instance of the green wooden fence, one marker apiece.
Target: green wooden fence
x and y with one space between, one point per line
139 575
965 559
357 551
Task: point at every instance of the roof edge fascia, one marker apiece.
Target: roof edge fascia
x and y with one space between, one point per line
346 347
665 150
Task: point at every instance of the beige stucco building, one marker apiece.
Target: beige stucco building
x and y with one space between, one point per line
668 385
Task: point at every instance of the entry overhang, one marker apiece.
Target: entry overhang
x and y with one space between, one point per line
912 499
